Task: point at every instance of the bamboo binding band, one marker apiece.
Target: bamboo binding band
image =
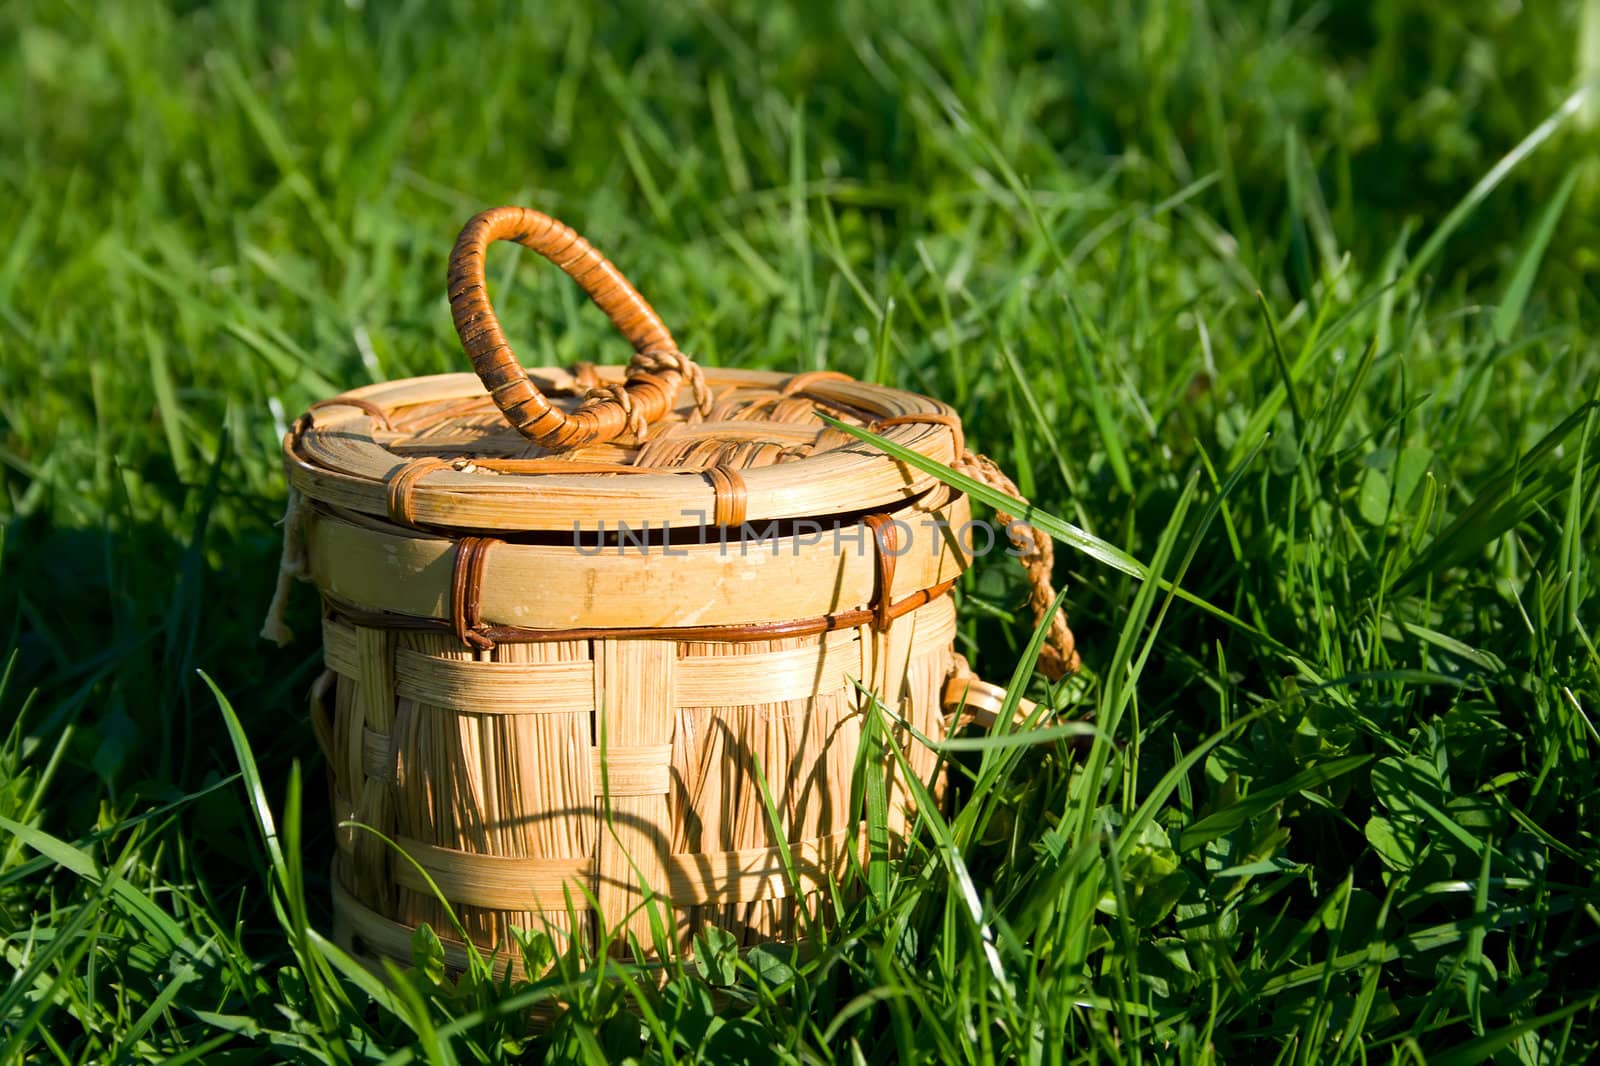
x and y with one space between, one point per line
487 636
727 484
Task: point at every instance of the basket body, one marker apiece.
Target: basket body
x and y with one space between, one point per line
549 723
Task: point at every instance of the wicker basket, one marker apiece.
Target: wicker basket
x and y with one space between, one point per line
569 618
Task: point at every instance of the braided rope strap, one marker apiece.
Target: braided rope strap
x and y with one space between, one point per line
1059 655
609 411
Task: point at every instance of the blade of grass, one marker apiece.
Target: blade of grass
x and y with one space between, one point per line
1065 532
1519 283
1488 183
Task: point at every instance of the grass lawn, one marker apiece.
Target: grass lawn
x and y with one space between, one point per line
1283 312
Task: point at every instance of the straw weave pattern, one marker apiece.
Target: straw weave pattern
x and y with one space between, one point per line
528 775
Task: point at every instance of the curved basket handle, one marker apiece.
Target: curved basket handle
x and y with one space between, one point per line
653 376
970 700
978 701
1036 552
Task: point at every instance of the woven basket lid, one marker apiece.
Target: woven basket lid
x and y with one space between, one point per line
659 442
436 452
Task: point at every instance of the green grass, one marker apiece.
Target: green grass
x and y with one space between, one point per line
1282 313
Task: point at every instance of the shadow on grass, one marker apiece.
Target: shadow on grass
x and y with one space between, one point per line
108 629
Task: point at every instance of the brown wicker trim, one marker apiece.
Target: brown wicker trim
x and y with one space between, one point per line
885 541
379 414
466 591
931 418
402 485
800 382
729 493
732 634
